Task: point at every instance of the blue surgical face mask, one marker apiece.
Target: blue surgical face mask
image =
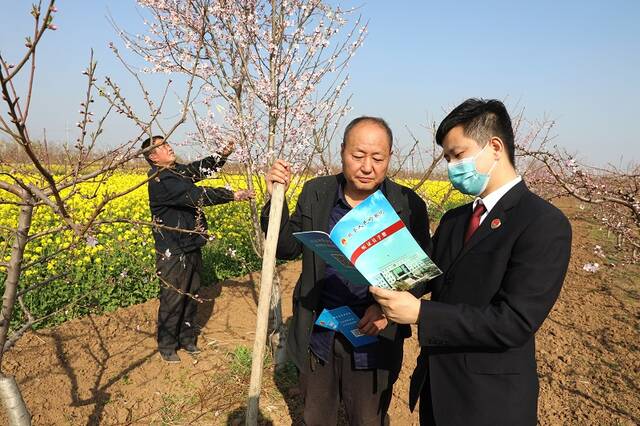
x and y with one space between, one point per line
466 178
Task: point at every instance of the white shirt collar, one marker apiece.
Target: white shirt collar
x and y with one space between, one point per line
492 199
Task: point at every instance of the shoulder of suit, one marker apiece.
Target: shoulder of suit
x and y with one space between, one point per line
536 207
319 183
403 190
455 212
533 201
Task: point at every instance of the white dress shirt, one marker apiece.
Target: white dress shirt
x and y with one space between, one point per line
492 199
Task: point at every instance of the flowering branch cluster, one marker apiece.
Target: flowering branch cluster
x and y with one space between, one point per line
613 194
271 74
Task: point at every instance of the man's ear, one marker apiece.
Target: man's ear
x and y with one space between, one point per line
342 148
497 145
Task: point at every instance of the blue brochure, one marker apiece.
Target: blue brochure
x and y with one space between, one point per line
343 320
371 245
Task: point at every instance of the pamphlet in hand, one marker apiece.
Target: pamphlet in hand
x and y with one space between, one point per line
343 320
371 245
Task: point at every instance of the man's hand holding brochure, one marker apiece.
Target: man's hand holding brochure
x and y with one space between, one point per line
371 245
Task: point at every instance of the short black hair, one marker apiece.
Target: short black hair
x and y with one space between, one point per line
481 119
376 120
146 144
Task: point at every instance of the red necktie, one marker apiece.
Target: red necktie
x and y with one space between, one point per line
474 221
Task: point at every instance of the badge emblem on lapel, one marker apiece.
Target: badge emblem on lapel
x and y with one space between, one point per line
495 223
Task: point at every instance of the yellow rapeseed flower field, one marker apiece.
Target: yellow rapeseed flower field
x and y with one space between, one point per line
115 264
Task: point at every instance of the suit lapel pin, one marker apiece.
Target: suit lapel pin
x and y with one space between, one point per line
495 223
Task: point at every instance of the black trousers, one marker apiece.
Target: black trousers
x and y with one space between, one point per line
366 393
426 406
179 274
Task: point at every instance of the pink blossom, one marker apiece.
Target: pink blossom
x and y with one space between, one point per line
317 43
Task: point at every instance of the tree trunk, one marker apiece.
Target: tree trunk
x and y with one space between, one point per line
258 239
276 325
266 282
277 330
15 407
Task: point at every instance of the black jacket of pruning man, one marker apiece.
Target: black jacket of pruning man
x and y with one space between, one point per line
330 368
176 206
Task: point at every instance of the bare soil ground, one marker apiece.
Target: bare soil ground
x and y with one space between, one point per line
105 369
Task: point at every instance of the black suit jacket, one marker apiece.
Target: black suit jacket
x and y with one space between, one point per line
312 211
477 362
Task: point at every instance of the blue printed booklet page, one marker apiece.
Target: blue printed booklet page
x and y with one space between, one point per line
343 320
371 245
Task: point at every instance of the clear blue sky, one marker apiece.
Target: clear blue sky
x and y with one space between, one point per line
577 62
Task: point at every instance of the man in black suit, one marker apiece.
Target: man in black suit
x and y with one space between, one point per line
504 258
330 368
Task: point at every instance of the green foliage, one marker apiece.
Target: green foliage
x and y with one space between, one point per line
240 361
122 277
231 253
